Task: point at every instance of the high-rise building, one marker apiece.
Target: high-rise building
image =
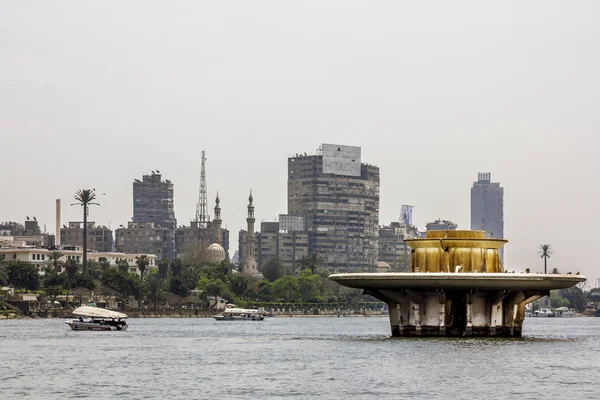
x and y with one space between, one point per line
99 238
338 196
153 203
487 207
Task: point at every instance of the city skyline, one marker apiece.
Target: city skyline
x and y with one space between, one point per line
433 95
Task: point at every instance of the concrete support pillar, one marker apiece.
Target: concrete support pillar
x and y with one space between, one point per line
416 309
442 316
394 308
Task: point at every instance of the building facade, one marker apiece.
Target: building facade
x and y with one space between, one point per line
41 257
193 236
153 203
392 249
338 196
487 207
99 238
142 238
441 225
273 241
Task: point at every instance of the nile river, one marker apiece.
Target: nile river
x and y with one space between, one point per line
301 358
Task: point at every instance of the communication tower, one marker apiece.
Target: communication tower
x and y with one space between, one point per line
202 205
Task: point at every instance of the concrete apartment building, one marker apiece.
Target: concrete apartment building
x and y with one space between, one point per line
487 207
392 248
339 198
285 240
153 203
143 238
99 238
441 225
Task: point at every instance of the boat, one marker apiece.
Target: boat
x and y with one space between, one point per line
564 312
97 319
241 314
544 312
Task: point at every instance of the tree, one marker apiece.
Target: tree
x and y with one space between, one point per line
85 198
178 287
104 265
123 284
545 252
71 271
155 290
142 263
55 257
286 288
3 271
308 285
311 261
215 288
123 265
240 284
23 275
272 269
163 268
555 271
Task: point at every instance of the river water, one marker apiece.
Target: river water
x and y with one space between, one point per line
301 358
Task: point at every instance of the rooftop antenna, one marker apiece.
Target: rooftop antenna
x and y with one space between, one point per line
202 205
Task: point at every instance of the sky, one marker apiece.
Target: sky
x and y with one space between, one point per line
96 93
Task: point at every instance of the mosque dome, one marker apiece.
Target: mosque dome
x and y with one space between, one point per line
215 253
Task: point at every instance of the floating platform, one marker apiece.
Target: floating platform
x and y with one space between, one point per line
456 304
456 288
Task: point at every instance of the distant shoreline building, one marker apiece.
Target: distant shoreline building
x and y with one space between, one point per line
338 196
487 207
99 238
286 240
153 203
441 225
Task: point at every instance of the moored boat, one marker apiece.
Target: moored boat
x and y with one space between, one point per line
564 312
241 314
544 312
97 319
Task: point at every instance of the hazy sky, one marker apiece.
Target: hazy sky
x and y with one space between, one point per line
96 93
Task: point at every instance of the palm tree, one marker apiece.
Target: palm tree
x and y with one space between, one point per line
71 270
311 261
142 263
55 257
155 290
85 198
545 253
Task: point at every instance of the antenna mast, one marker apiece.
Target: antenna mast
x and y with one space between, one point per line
202 205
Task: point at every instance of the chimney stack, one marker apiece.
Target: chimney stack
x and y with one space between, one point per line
57 240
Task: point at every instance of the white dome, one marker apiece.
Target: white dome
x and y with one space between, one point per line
215 253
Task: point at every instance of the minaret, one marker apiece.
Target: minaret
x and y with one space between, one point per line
249 260
217 221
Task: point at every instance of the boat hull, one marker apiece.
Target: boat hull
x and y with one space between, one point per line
236 318
90 326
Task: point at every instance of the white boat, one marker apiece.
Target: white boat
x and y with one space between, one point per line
241 314
544 312
564 312
97 319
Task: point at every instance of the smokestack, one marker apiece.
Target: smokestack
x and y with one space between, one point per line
57 240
